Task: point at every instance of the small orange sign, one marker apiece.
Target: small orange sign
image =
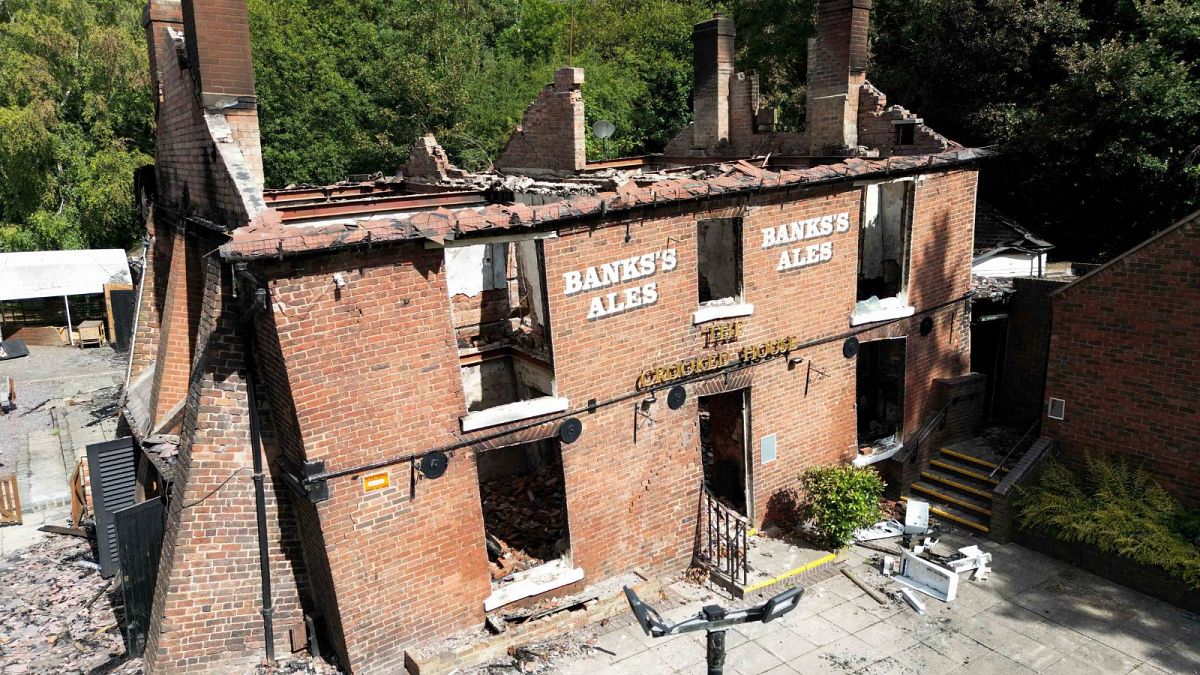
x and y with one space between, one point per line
376 481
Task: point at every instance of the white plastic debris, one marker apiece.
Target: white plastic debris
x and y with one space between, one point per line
884 529
972 558
912 600
916 517
926 577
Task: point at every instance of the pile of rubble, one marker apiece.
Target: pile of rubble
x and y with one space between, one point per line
57 615
526 520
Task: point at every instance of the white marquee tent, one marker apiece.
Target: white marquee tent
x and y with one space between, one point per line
49 274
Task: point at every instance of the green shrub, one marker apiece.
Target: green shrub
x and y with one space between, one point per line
841 499
1117 508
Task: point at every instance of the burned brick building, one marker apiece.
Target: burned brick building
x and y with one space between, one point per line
475 388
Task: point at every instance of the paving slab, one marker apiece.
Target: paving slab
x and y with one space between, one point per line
1034 615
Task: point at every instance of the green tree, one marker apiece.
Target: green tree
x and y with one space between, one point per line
75 121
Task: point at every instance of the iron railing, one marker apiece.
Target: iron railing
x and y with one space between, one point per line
725 539
1028 432
912 444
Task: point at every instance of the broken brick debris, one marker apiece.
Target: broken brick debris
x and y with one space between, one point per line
57 616
526 521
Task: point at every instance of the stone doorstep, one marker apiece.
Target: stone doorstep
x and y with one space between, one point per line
784 580
563 622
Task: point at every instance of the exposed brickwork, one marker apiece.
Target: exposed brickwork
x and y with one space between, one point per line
712 62
153 297
1003 497
218 47
552 135
1123 356
837 59
177 331
156 17
370 371
1028 348
193 168
877 131
205 616
428 162
729 120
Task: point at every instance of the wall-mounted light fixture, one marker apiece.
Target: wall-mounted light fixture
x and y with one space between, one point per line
339 280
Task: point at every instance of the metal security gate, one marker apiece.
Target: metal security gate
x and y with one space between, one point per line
113 468
724 539
139 540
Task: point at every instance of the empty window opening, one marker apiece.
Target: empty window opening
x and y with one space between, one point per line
906 133
719 267
498 310
723 448
880 392
883 239
523 495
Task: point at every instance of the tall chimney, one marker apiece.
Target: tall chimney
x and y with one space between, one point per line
712 59
217 34
156 18
218 46
837 68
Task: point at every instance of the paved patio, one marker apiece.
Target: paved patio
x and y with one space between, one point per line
1034 614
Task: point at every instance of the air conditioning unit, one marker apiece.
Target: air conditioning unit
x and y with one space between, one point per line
1058 408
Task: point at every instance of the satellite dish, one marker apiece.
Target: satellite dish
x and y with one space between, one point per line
603 129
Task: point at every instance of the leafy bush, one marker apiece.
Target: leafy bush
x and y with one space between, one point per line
1117 508
841 499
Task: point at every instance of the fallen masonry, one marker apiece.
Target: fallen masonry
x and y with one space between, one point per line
57 615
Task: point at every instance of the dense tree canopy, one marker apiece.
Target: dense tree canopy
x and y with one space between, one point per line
1094 105
75 121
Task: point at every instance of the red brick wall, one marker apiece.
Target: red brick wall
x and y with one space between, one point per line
178 324
205 616
192 174
552 135
219 46
369 371
373 373
837 61
1123 356
153 296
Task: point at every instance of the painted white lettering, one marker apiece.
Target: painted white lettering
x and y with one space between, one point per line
768 237
597 309
668 260
573 283
610 274
591 279
843 222
650 293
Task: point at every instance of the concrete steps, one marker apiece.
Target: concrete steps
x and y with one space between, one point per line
959 488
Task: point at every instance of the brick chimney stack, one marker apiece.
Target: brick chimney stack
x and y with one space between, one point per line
156 18
712 59
218 47
837 68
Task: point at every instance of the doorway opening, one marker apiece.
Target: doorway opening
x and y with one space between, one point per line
880 391
524 501
989 343
723 448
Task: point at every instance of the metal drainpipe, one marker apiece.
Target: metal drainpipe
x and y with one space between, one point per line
260 500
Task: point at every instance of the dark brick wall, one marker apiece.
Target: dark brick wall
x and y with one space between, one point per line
1028 348
1123 356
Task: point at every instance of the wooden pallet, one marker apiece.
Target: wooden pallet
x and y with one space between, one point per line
10 501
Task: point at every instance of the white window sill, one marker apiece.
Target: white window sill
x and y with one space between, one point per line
705 313
533 582
514 412
874 309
